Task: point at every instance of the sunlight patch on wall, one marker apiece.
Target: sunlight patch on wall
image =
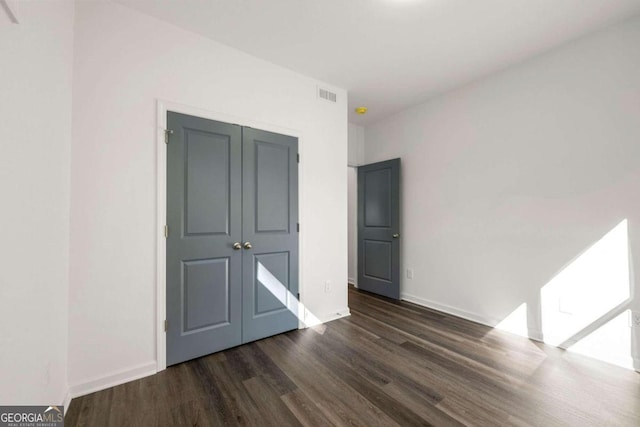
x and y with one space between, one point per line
609 343
516 322
588 288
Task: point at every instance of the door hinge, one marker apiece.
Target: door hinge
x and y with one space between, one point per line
166 325
167 132
166 231
298 296
298 157
298 227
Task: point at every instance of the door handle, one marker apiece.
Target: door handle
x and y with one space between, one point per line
395 236
247 245
237 246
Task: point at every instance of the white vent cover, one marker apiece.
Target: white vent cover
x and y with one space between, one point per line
326 94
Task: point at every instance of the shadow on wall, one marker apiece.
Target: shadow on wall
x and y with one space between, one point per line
585 308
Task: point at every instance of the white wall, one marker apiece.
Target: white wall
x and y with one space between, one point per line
355 158
35 128
124 61
355 152
509 179
352 217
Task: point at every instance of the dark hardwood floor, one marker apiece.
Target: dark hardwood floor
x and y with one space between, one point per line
389 363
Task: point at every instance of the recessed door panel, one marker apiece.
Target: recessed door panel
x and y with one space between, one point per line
205 294
377 198
207 183
272 187
377 259
271 283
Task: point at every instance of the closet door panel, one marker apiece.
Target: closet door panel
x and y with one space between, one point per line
204 186
270 217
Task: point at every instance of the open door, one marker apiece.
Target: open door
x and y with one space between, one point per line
379 228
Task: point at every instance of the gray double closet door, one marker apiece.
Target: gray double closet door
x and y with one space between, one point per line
232 246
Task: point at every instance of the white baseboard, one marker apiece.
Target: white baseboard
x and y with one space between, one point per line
113 379
66 401
311 319
335 316
450 310
146 369
533 334
352 281
536 335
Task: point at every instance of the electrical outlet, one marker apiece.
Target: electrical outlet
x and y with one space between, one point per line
635 318
566 306
327 286
409 273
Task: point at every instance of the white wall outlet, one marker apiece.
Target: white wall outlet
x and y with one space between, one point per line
327 286
635 319
409 273
566 306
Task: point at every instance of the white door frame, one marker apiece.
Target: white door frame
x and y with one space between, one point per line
164 106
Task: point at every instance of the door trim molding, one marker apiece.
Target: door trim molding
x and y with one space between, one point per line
162 107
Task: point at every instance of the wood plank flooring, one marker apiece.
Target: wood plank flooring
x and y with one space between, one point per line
388 364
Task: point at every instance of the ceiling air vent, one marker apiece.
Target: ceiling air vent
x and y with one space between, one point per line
325 94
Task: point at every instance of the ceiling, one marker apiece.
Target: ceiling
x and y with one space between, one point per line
390 54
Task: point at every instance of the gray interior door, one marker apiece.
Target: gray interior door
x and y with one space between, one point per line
379 228
270 235
204 308
232 246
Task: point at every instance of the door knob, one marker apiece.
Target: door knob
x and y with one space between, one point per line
395 236
237 246
247 245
